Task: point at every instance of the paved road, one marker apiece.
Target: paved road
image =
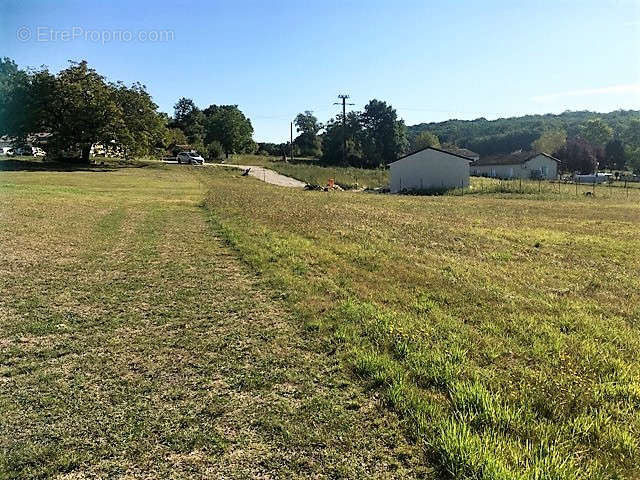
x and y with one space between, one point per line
266 175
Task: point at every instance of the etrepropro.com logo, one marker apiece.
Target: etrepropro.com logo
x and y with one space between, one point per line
46 34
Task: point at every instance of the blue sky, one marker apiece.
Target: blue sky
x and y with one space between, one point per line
431 60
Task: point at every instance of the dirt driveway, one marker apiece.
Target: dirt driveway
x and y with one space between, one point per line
265 175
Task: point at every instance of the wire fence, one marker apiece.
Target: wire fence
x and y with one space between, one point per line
550 188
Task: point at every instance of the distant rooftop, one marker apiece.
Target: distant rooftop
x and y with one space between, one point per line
516 158
464 152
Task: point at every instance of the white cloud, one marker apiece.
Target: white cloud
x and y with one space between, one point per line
633 88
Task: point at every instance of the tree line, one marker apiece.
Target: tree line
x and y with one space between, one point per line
370 138
78 108
213 131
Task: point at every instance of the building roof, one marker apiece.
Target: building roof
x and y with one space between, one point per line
465 152
510 158
437 150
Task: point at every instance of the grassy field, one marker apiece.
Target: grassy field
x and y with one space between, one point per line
502 327
134 344
187 322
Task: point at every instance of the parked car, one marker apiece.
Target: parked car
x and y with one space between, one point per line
192 158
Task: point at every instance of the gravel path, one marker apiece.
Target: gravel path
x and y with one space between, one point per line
265 175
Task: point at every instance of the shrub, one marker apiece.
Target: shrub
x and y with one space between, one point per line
214 151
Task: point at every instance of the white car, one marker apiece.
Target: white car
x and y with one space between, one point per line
192 158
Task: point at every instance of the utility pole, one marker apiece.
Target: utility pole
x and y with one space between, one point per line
344 125
291 142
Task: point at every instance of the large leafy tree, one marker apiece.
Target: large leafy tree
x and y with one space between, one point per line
374 137
142 128
229 126
308 141
578 155
597 132
183 111
632 155
614 154
79 108
191 120
174 136
25 98
423 140
82 109
14 90
632 132
550 141
385 137
332 140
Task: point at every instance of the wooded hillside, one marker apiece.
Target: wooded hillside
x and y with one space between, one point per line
508 134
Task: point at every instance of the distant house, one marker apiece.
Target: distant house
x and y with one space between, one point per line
516 165
429 169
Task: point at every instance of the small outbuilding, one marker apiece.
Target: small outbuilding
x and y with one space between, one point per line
517 165
429 169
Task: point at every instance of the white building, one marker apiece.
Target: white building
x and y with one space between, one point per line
517 165
429 169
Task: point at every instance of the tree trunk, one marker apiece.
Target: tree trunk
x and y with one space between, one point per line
86 150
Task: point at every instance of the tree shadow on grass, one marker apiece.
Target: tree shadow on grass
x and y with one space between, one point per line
28 165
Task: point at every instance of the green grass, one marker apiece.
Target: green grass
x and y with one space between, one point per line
502 326
133 343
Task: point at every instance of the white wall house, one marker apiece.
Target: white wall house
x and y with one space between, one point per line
429 169
517 165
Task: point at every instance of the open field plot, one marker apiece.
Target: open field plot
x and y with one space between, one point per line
134 344
503 328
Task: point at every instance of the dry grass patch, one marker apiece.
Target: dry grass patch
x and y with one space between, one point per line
136 345
502 326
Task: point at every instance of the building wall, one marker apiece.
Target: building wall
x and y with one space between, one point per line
429 170
539 162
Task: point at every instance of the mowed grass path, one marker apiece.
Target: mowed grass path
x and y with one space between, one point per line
134 344
504 328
